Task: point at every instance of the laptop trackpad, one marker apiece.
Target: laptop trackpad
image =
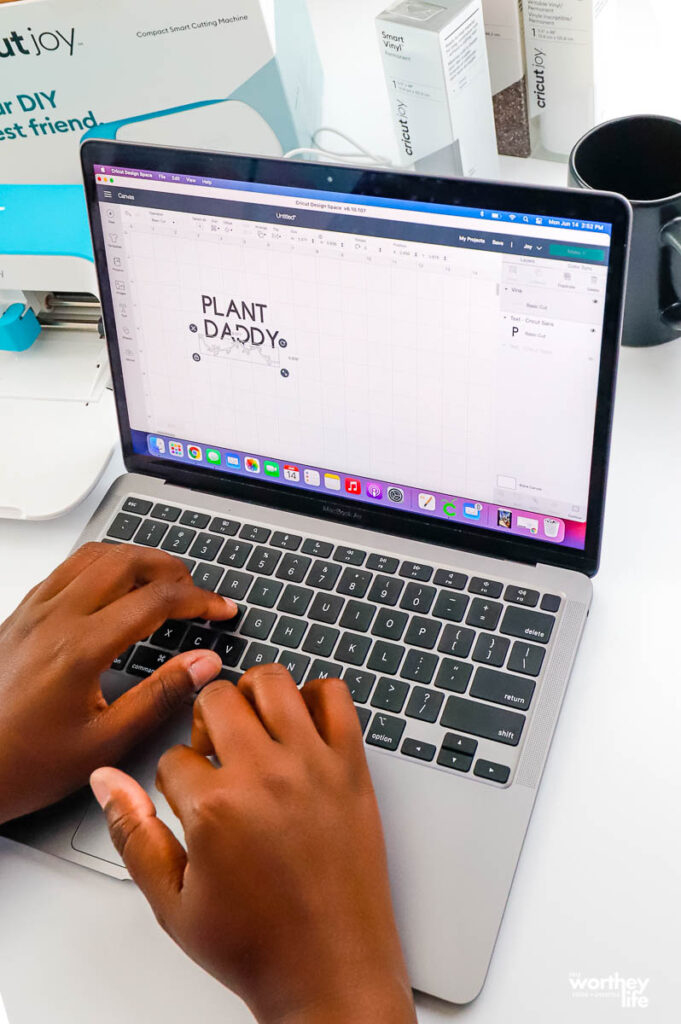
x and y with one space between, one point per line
92 835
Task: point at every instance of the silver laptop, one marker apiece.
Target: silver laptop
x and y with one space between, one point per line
375 410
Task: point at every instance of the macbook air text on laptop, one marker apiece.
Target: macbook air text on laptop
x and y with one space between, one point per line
375 410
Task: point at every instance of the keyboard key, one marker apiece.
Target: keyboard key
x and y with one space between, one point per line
235 585
491 650
418 598
354 582
146 660
359 684
317 548
227 527
326 607
519 595
323 575
295 600
457 641
139 505
485 614
385 657
321 640
189 563
178 540
526 658
450 579
423 632
170 635
264 561
206 547
486 588
386 591
419 667
257 534
528 625
150 534
390 625
489 770
230 648
462 744
416 571
259 654
168 513
357 615
389 694
230 675
119 663
454 675
350 556
198 637
451 606
123 526
258 624
364 715
450 759
385 731
207 576
265 592
235 553
324 670
199 520
483 720
295 663
382 563
293 568
550 603
289 632
353 648
288 541
501 688
424 704
421 751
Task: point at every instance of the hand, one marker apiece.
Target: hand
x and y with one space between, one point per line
282 893
55 725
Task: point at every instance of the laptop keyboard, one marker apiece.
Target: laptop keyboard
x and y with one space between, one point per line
443 667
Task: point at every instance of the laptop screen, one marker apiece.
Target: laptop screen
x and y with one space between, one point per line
436 359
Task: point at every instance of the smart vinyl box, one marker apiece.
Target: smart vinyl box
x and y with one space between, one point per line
506 55
568 92
436 70
198 74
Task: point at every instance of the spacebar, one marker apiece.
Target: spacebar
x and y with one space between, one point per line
480 720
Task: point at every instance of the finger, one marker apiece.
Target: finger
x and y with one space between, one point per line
277 701
225 724
68 570
144 610
146 705
334 715
182 773
153 856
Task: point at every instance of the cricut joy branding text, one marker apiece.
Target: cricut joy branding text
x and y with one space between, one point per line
36 44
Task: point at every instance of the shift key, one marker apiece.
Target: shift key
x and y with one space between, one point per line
480 720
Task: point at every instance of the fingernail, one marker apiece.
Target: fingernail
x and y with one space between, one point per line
100 787
204 669
232 606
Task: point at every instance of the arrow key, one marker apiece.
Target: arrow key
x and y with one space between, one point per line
421 751
490 770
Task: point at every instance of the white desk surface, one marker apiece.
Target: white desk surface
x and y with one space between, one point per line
598 888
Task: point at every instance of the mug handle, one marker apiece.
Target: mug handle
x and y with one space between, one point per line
671 239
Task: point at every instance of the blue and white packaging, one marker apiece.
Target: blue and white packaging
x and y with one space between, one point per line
201 74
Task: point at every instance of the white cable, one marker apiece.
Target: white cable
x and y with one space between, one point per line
359 155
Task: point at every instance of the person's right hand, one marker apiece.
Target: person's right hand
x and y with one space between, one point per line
282 893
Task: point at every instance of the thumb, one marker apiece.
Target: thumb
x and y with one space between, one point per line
153 856
145 706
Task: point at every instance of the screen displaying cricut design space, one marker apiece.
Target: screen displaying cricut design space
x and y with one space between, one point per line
438 359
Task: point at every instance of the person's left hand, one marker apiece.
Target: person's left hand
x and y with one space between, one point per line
55 725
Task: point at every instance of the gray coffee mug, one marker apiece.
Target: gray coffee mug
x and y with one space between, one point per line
640 157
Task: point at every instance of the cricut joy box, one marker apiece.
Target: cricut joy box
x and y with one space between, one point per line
199 74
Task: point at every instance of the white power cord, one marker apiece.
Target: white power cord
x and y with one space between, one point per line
358 155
